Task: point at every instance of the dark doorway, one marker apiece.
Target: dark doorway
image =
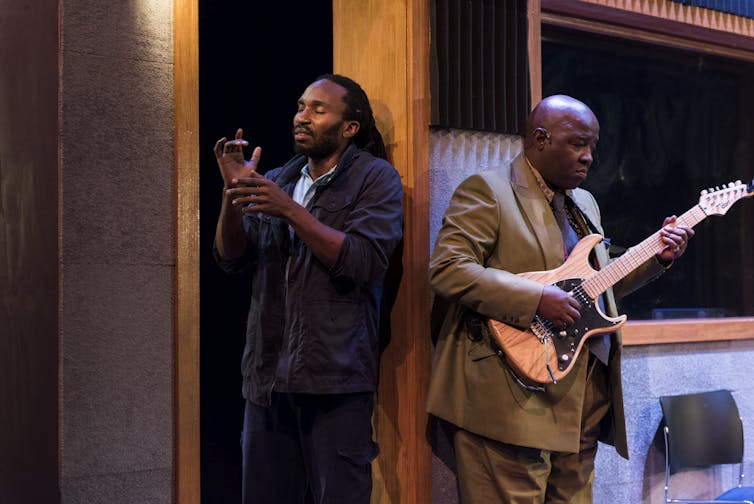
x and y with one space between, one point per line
255 59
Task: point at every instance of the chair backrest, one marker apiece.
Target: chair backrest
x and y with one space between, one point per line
703 429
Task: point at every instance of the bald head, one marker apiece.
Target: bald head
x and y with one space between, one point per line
556 109
561 134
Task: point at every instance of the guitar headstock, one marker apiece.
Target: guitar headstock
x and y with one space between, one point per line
718 201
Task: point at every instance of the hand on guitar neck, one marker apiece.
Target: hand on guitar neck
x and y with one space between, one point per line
676 239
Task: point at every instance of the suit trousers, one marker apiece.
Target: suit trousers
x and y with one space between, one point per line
493 472
309 449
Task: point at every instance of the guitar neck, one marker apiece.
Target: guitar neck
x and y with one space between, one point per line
636 256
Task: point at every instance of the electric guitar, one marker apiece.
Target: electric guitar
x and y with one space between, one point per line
545 353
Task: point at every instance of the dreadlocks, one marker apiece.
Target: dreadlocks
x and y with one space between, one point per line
358 109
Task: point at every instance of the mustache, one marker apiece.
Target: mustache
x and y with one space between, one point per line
302 129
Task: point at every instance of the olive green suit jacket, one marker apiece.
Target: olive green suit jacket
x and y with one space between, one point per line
499 223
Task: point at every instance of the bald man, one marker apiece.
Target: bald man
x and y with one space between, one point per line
515 443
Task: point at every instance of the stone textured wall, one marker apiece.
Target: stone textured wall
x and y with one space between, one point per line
648 371
117 251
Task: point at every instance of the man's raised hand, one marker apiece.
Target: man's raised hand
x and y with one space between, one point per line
230 160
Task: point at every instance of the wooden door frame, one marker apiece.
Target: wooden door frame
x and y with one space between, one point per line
186 331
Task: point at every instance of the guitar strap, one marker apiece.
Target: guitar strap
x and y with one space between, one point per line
598 345
587 224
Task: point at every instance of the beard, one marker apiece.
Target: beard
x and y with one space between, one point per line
322 145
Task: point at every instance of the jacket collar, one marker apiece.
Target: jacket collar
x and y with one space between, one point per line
291 171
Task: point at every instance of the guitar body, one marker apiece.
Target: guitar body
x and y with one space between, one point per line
544 353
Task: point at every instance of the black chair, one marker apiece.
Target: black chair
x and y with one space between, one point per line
703 430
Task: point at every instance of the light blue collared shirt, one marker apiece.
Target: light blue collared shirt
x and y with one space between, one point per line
306 186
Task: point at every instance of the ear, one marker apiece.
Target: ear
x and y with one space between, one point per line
540 135
351 128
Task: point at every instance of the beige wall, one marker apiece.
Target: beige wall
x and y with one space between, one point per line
117 251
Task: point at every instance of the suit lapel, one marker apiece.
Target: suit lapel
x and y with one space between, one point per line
538 212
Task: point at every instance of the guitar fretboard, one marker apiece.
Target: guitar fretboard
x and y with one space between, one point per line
636 256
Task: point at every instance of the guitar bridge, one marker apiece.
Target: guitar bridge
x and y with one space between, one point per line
540 330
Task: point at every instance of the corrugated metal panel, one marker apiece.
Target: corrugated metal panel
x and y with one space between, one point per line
480 72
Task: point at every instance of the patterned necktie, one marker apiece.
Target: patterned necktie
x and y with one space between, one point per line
570 237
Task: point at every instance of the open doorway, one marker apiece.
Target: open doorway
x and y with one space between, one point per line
255 59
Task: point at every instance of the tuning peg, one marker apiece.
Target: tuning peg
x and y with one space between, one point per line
704 192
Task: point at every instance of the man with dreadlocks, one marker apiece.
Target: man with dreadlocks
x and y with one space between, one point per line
317 235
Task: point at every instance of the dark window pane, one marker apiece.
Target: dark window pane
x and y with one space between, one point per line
672 123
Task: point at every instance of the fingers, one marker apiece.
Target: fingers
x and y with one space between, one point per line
219 146
570 311
675 238
242 201
566 319
243 195
239 141
255 156
234 147
254 185
673 246
669 221
677 234
253 180
250 198
571 314
559 307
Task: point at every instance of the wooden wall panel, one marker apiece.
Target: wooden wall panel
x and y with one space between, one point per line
384 45
535 52
186 323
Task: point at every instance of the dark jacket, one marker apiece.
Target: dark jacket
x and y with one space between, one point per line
314 329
